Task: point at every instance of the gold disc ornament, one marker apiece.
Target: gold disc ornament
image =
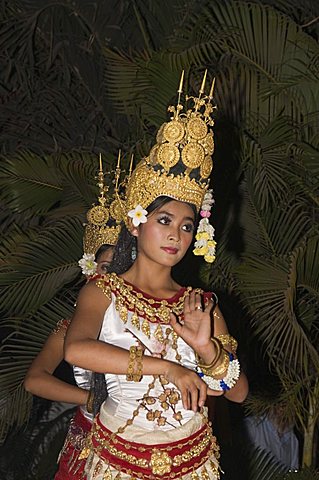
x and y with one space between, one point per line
197 128
193 155
174 131
206 167
98 215
153 155
167 155
117 209
159 135
208 144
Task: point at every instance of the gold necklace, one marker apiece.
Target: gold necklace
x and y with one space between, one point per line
150 309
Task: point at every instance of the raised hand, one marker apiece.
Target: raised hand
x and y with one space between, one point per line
195 329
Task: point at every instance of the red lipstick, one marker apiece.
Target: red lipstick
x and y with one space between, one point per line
170 250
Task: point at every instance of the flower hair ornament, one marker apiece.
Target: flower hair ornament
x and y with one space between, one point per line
104 220
205 244
179 166
138 215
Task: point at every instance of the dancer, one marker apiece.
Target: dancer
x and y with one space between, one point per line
158 346
101 234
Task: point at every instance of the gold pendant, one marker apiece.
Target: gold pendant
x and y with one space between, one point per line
135 321
146 328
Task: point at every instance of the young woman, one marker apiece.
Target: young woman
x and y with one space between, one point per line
158 347
100 236
39 379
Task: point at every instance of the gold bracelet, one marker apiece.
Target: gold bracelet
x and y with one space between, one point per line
220 369
135 363
211 365
226 339
89 402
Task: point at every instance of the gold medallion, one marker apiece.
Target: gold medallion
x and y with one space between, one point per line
197 128
160 462
117 209
98 215
173 131
159 135
206 167
193 155
208 144
167 155
153 155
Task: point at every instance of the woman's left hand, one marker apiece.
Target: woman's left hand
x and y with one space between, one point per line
196 327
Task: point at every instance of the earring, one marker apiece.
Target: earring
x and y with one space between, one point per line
134 253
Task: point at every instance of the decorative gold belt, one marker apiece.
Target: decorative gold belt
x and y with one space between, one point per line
163 461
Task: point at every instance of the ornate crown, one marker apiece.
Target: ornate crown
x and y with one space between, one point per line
180 163
103 225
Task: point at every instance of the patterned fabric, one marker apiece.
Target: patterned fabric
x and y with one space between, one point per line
70 466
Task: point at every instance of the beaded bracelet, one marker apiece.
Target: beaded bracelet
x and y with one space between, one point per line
226 383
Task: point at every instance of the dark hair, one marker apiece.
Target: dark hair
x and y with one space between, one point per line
122 258
103 248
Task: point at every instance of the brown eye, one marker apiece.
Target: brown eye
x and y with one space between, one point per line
188 227
103 267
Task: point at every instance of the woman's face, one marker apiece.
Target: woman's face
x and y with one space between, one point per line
104 261
167 234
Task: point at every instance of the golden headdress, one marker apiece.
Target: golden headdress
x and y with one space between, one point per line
180 163
103 225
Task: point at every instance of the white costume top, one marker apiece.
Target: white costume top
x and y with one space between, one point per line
125 396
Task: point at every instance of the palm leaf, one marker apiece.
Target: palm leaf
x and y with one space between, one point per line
43 266
18 350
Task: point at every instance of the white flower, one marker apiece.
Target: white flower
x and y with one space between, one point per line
138 215
88 264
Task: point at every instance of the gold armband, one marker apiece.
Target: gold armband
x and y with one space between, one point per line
135 364
89 402
227 340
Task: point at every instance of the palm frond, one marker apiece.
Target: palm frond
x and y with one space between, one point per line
29 181
42 267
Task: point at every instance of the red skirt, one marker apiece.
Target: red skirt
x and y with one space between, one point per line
70 466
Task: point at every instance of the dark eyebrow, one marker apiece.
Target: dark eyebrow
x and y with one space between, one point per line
165 212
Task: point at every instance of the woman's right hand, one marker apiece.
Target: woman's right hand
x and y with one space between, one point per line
192 389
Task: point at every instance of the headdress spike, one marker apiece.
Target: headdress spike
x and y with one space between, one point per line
180 88
202 88
131 165
211 93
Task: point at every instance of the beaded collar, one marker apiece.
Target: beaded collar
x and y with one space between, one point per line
130 298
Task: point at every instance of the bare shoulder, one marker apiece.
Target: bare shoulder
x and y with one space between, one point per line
95 293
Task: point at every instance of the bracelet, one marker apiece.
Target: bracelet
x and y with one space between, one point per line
217 371
226 339
89 402
211 365
135 364
226 383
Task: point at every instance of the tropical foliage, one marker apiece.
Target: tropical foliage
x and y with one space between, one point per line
79 79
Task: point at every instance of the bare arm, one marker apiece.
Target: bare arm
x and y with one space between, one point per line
197 332
40 380
240 391
83 349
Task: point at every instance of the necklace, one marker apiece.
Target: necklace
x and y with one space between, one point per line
149 309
